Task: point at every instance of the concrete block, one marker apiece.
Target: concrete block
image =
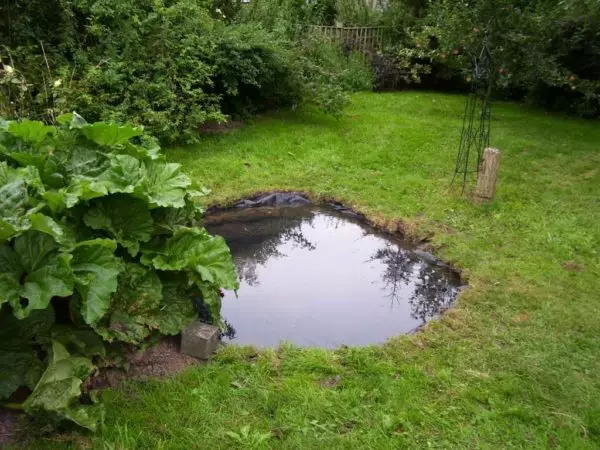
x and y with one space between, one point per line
199 340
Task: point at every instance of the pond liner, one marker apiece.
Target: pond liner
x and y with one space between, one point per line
298 199
289 199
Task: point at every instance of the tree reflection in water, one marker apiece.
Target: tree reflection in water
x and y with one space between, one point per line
257 235
434 287
254 240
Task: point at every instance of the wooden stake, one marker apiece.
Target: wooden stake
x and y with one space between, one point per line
487 176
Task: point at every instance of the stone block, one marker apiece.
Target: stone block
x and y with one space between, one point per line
199 340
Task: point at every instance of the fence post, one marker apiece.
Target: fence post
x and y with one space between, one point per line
487 175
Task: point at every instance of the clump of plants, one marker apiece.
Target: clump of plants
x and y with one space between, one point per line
167 65
101 245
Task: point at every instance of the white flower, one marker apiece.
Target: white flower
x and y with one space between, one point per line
8 69
57 83
219 11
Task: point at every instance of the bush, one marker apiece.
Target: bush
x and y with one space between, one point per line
169 66
100 243
142 61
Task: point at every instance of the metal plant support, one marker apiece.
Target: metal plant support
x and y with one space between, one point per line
475 136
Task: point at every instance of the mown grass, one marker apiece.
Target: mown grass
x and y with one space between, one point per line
515 365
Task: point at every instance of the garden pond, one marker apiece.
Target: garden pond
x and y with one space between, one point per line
320 276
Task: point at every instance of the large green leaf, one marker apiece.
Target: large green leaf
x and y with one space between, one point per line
212 298
111 134
59 200
85 168
96 271
125 218
34 329
17 367
124 174
97 175
24 143
163 184
176 309
32 132
53 278
13 204
87 416
124 327
18 209
83 341
29 157
167 220
150 152
139 290
133 306
72 120
59 389
7 230
19 363
84 188
194 249
87 162
33 249
41 222
46 273
10 273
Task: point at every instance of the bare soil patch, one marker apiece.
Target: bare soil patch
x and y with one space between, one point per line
160 361
11 426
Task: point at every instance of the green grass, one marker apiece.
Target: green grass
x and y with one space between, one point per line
515 365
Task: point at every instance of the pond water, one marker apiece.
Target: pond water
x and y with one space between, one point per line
314 276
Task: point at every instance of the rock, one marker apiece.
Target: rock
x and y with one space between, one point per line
331 382
199 340
426 256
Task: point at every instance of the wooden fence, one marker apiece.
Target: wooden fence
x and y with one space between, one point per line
362 39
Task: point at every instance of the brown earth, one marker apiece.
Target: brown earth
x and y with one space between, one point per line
160 361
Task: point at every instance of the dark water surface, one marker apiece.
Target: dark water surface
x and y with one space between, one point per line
315 277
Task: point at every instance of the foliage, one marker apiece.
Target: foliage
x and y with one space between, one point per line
349 70
293 16
169 66
357 13
286 17
545 51
94 222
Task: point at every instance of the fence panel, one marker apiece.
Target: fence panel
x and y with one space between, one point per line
362 39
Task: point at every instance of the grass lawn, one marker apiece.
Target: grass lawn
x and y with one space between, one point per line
515 364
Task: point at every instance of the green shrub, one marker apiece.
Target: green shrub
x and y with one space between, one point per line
288 18
348 69
169 66
357 13
100 243
255 70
